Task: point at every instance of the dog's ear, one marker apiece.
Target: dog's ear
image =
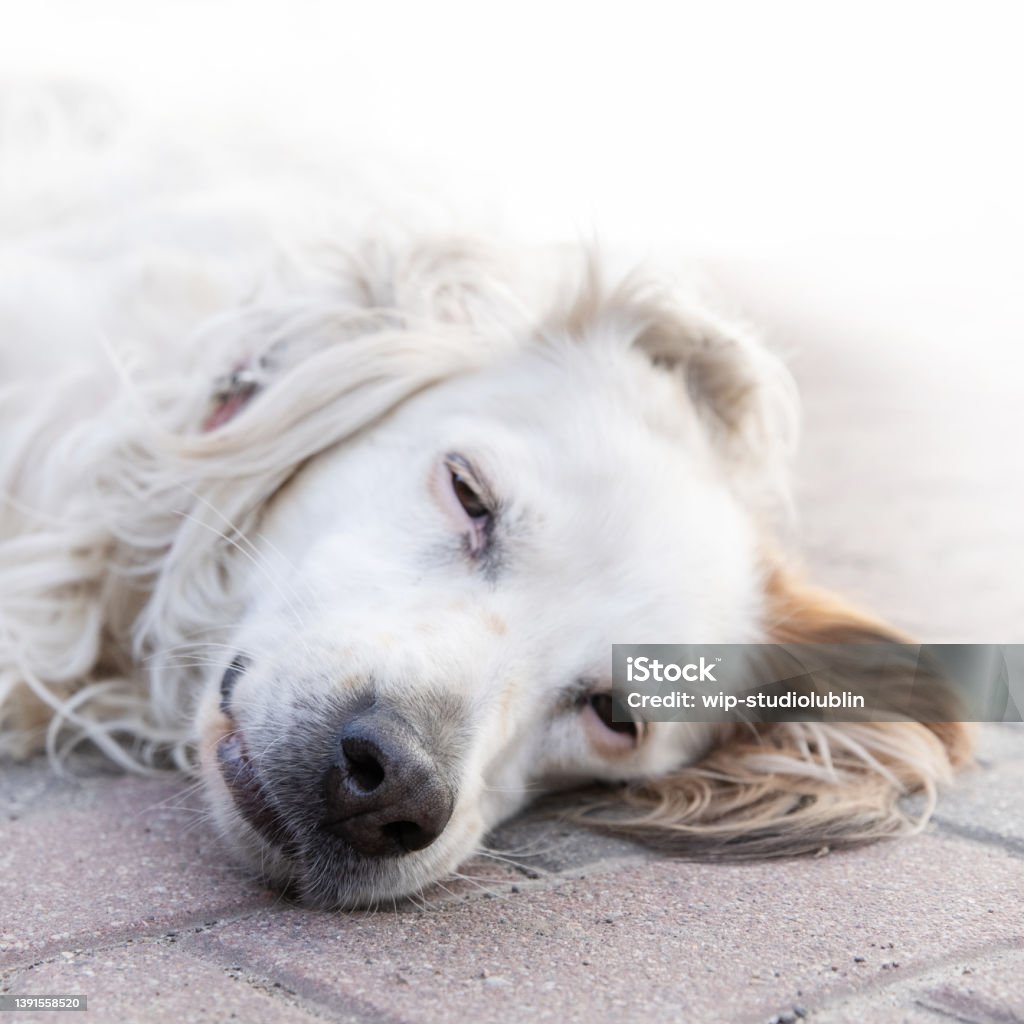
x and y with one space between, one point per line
742 392
783 789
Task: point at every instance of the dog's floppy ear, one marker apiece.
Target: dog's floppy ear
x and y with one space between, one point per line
740 390
789 788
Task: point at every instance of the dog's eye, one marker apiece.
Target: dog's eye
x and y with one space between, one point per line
605 707
468 497
608 737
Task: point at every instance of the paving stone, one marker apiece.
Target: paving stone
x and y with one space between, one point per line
479 877
542 841
82 861
882 1011
1001 742
653 941
990 992
987 990
988 804
987 801
153 981
33 785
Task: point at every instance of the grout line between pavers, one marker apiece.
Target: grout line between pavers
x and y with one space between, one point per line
83 943
907 978
538 880
311 995
944 1014
980 835
273 990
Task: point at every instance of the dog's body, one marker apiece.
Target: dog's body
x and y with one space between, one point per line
361 524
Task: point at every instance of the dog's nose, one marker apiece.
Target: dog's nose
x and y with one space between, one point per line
384 794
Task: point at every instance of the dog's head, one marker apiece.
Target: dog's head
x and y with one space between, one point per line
451 515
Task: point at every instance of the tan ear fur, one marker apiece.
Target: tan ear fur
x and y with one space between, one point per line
789 788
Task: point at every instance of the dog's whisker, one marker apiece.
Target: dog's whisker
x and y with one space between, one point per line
190 645
540 844
166 804
255 552
519 865
273 580
482 883
259 558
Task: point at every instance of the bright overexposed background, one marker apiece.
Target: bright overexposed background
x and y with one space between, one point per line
720 122
853 172
872 150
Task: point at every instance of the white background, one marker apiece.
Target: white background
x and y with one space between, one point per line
708 124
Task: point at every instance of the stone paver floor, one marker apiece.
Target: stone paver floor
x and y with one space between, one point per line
114 888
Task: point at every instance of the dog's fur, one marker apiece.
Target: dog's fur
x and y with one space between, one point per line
157 524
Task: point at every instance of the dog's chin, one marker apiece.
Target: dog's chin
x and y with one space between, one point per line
290 855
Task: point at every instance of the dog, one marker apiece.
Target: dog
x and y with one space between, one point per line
349 529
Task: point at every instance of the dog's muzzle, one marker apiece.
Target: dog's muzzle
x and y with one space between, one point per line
342 781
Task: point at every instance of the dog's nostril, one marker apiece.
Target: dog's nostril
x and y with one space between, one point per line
363 768
409 835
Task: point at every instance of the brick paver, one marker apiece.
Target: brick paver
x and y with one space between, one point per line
986 990
85 861
989 802
153 981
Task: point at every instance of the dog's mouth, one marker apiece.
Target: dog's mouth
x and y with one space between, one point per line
248 792
237 769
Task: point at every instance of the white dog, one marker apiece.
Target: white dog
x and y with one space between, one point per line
353 529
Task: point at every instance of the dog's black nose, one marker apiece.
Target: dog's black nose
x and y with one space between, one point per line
384 794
